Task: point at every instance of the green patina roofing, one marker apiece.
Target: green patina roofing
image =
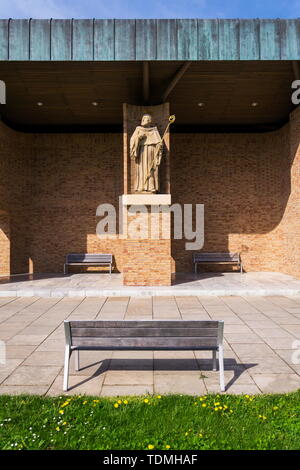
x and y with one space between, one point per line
191 39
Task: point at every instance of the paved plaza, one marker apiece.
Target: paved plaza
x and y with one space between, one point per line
260 335
95 284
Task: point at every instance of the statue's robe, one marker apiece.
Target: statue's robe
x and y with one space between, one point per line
144 145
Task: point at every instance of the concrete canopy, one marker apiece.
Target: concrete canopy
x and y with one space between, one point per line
211 72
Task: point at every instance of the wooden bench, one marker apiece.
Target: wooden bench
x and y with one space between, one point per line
217 258
144 335
88 259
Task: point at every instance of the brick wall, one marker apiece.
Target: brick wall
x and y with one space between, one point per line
4 244
51 185
242 180
73 174
147 261
290 223
16 154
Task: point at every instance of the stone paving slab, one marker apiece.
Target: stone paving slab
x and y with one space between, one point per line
78 385
83 285
26 389
122 390
31 375
189 384
277 382
261 355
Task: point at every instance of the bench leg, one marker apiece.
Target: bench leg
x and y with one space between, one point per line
196 268
242 268
77 365
68 353
65 269
110 269
221 368
214 358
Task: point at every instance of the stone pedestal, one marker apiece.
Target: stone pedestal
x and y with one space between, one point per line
147 246
146 199
146 216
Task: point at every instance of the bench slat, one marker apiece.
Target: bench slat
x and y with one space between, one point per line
90 263
220 258
144 324
151 343
88 258
143 332
198 257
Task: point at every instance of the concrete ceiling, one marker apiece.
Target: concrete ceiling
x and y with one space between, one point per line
226 89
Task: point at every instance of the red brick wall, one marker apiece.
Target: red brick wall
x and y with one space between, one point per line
4 244
16 152
242 181
73 174
290 223
51 185
148 261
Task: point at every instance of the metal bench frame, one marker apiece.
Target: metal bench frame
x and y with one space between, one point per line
217 258
153 335
87 260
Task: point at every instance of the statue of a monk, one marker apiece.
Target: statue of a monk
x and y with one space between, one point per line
146 149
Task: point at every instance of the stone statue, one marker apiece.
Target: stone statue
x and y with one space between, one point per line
146 149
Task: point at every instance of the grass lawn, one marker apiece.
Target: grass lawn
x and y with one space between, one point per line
153 422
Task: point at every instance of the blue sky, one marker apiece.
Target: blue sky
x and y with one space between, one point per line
149 8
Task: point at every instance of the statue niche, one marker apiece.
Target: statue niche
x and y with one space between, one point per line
146 148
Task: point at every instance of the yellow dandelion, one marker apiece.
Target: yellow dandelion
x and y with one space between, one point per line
64 423
275 408
167 446
150 446
58 428
262 417
61 412
225 407
200 435
146 400
84 402
125 402
204 405
158 396
196 404
186 434
119 401
116 405
217 404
